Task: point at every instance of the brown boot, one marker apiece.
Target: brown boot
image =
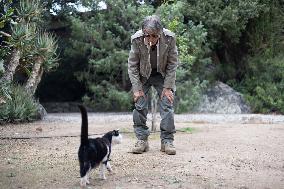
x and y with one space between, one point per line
140 147
168 148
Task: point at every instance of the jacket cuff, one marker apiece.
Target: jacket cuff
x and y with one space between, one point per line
170 85
137 87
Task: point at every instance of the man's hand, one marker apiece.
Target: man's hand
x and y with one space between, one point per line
169 94
138 94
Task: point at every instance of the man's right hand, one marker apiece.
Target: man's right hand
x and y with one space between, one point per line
138 94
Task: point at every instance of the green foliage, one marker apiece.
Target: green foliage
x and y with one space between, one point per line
5 90
188 129
106 97
20 107
27 36
22 35
225 20
1 67
104 39
30 11
46 47
265 33
7 12
264 85
231 41
189 94
193 55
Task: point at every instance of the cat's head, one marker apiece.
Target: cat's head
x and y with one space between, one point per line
116 137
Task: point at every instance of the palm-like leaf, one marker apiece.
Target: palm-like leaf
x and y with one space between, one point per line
22 34
46 47
30 10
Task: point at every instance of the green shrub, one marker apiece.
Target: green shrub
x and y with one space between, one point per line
193 55
264 85
19 107
189 95
106 97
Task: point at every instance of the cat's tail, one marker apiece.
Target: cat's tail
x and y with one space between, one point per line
84 126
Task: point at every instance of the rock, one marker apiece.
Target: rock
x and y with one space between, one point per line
56 107
41 112
2 100
39 129
222 99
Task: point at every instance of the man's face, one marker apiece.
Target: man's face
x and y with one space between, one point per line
151 37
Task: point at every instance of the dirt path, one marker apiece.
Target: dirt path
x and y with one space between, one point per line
244 152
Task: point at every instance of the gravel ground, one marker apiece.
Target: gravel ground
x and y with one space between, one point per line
216 151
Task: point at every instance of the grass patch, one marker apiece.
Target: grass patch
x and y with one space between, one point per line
155 136
127 132
188 130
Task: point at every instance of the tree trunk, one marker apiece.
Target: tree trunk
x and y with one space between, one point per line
35 77
12 64
154 109
124 77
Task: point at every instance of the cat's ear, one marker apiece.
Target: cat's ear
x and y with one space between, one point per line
115 132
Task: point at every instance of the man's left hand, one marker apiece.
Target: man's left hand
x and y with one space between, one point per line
169 94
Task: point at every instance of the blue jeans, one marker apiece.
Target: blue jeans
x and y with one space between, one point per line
140 112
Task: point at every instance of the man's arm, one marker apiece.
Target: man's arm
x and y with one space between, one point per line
133 67
172 64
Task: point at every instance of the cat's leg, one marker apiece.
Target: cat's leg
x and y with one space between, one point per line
84 169
108 166
88 175
102 171
91 170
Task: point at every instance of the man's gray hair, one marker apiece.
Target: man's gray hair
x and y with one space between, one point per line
152 23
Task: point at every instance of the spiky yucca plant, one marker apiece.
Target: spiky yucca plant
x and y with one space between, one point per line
20 108
22 35
30 11
46 46
45 59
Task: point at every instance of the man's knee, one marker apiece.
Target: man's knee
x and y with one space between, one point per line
141 103
166 105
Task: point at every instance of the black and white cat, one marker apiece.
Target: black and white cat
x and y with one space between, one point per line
95 152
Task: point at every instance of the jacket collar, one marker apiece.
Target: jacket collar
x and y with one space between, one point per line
162 45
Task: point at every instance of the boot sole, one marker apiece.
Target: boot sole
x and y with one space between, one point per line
171 153
141 152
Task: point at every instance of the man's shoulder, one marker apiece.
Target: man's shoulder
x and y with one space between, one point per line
138 34
168 32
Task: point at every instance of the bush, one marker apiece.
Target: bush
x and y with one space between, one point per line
19 107
264 85
189 95
193 55
106 97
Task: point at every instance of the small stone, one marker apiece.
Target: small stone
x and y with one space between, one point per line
11 175
39 129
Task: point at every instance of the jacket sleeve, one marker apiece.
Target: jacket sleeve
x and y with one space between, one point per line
170 77
133 67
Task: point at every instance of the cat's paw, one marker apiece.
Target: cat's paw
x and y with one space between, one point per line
109 170
83 182
103 177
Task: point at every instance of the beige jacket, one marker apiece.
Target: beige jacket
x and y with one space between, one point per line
139 66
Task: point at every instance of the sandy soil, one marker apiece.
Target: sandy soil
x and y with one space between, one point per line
246 152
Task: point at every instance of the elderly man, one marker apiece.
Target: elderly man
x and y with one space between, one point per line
152 61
